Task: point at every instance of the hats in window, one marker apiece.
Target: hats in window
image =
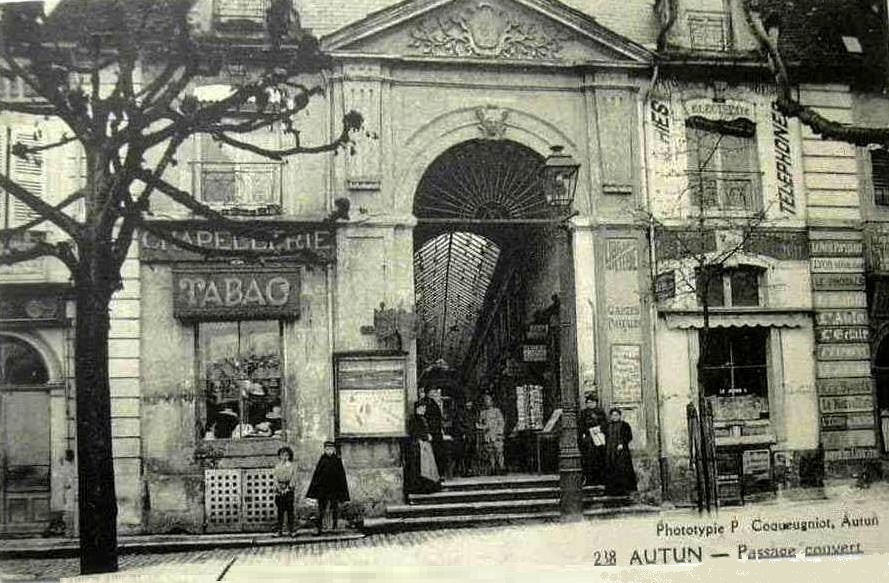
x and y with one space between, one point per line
275 413
257 389
228 411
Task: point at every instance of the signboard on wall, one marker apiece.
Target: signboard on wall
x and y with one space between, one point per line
236 293
626 373
308 241
370 394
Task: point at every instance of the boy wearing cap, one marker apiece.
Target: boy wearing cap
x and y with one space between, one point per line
328 484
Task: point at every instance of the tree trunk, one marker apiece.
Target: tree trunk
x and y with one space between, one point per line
97 497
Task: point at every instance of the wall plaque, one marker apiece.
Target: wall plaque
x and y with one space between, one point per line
853 386
33 305
838 281
843 351
244 293
626 373
841 318
837 264
829 248
847 404
371 394
846 422
843 335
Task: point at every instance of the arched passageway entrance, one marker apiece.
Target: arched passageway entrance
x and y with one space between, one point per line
485 277
881 375
24 437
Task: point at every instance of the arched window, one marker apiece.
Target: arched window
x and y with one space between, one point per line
20 363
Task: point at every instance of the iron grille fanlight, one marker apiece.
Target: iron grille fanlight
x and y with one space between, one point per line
559 177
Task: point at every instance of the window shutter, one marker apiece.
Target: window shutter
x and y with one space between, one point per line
27 172
880 174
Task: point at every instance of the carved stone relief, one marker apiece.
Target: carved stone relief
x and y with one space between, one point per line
492 121
486 30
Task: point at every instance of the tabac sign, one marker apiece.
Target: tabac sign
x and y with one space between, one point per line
308 242
208 294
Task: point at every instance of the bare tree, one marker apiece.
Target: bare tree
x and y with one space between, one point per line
122 91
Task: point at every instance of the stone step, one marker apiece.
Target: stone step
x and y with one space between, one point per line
496 494
485 506
498 482
392 525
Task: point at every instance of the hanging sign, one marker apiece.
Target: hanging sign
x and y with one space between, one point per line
231 294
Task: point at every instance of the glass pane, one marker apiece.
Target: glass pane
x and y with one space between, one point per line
709 284
221 376
20 363
718 351
737 155
749 346
745 287
716 381
751 381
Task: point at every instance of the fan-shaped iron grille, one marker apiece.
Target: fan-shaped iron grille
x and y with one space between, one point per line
482 179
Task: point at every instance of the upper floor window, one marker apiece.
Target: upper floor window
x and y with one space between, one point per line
242 16
25 169
729 287
879 163
723 164
236 181
708 30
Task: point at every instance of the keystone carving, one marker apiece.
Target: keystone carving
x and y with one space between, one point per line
486 31
492 121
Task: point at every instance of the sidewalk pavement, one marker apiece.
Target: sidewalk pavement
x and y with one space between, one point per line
58 547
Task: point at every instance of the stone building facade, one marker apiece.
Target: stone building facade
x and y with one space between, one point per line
683 157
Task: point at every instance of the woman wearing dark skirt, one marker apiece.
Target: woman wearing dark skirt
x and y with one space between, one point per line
620 477
420 471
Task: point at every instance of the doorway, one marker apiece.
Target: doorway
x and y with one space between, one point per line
486 284
25 430
881 376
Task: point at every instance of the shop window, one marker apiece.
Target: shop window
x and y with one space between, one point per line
240 368
729 287
723 165
735 366
879 163
235 181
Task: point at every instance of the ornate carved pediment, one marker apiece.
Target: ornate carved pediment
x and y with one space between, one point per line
484 29
502 30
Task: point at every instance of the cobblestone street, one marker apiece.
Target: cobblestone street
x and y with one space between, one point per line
532 551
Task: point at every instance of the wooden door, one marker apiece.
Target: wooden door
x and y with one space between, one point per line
25 463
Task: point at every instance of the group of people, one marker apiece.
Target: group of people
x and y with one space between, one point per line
605 448
328 487
477 442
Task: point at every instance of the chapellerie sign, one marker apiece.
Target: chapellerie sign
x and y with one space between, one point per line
242 293
315 242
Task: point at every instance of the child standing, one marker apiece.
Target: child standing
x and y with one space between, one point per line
328 484
285 482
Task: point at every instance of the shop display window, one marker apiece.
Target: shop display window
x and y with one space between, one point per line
241 375
735 373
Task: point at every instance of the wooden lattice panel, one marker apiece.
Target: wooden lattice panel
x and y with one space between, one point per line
222 498
259 497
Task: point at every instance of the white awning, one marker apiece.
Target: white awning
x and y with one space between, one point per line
726 318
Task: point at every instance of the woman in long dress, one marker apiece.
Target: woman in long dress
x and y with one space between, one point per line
490 421
591 425
420 470
620 477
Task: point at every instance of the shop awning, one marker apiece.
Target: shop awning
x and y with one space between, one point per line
728 318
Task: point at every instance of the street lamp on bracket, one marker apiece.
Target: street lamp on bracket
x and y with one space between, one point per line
558 180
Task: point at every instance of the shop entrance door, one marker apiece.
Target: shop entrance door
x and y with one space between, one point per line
24 438
24 460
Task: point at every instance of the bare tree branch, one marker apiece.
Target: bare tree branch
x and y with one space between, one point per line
7 233
36 250
41 207
790 106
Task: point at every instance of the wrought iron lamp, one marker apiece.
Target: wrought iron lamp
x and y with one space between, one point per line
558 177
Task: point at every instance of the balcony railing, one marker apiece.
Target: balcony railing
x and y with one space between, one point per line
724 191
247 188
240 16
707 30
